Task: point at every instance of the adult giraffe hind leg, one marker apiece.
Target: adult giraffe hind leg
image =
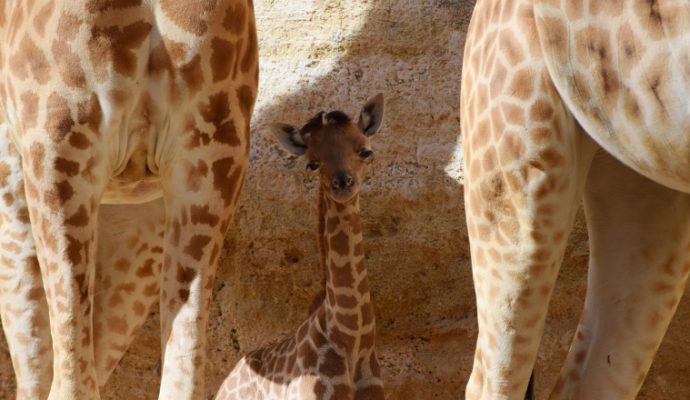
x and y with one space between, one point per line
129 258
23 306
64 185
526 160
639 263
199 207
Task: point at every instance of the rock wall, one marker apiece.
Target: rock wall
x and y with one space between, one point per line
324 55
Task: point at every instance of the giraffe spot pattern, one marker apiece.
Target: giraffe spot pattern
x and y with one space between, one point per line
30 61
191 17
226 180
59 120
222 57
114 46
217 112
196 245
69 65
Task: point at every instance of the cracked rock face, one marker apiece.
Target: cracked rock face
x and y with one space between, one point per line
324 55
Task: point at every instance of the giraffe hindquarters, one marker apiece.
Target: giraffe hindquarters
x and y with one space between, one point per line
639 264
129 257
23 306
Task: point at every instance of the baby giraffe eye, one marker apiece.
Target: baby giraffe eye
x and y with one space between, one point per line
313 165
364 153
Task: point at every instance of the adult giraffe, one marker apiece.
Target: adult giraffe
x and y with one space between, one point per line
562 100
123 146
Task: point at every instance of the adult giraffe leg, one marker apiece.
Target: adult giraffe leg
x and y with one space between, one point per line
639 263
64 183
525 163
23 306
129 257
201 186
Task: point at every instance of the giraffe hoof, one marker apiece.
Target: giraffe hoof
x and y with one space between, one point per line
529 395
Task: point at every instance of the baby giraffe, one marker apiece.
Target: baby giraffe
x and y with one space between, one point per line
332 354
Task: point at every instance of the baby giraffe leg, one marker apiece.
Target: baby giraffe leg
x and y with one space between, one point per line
639 264
23 306
130 253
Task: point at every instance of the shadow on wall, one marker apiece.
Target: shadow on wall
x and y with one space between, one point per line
322 56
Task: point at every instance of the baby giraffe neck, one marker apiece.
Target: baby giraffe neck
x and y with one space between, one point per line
348 314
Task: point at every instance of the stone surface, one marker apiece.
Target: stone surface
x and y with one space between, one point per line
321 55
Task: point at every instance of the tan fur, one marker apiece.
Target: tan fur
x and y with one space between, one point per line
125 123
564 100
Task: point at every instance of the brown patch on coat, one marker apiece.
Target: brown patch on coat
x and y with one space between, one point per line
113 46
235 18
79 218
222 56
217 112
341 276
185 274
99 6
42 17
226 182
59 120
79 141
196 245
29 59
68 64
332 365
67 167
191 17
73 251
89 113
339 243
68 27
202 215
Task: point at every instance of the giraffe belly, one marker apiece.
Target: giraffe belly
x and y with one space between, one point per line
624 72
135 192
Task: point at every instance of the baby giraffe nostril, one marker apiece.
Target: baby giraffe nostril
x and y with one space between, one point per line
342 181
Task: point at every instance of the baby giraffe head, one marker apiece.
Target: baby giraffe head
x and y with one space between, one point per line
335 146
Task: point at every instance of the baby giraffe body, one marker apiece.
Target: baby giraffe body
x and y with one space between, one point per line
331 356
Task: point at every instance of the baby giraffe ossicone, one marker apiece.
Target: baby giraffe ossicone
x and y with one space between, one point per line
331 356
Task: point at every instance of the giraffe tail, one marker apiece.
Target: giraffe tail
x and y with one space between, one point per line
529 395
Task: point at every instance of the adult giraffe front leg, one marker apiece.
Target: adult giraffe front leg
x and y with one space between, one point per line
526 161
201 185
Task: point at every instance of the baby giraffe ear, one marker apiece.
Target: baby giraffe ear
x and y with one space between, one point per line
290 138
371 116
